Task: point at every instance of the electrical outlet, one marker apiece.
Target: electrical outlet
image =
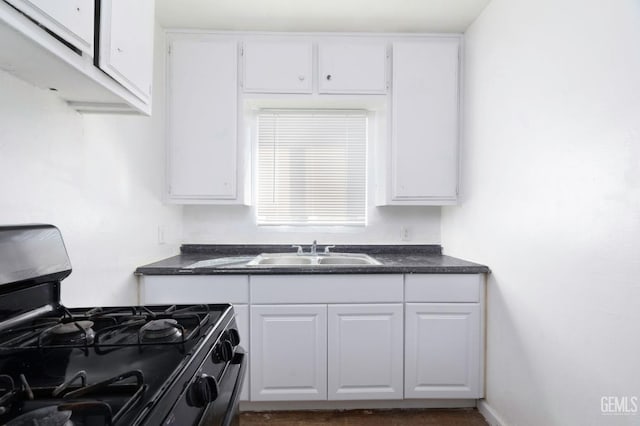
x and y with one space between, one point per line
405 235
161 232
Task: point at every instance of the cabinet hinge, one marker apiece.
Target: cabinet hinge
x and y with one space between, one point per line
169 49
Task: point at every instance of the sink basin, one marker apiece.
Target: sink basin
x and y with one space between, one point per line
283 260
221 262
346 260
297 260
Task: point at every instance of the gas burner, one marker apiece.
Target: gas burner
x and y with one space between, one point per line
162 329
45 416
76 332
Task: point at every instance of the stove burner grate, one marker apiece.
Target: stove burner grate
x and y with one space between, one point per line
166 329
59 410
68 333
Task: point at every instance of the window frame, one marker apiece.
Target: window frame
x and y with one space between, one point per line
313 227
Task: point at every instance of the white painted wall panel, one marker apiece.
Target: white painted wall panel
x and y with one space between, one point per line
551 201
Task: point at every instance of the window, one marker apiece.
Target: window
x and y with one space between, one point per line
312 167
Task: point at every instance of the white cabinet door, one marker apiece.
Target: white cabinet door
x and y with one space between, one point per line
288 352
277 66
242 320
442 350
365 352
424 124
347 66
202 119
126 44
72 20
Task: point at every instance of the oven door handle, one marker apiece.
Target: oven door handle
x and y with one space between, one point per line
239 361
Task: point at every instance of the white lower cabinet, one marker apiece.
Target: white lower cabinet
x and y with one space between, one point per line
442 350
289 352
365 351
348 337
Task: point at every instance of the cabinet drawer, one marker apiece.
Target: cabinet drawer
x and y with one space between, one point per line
326 288
443 288
179 289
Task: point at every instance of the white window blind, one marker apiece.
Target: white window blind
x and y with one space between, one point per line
312 167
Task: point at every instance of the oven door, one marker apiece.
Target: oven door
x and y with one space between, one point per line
224 411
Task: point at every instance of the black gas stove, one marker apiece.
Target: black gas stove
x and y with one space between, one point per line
137 365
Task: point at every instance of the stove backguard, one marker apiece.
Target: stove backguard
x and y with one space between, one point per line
30 255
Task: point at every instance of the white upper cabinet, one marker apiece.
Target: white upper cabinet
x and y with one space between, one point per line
71 20
126 43
411 81
344 65
94 66
202 123
348 66
278 66
422 159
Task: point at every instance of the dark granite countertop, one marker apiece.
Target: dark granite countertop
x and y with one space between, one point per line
395 259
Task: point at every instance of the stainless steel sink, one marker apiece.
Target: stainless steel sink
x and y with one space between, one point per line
281 260
311 260
346 260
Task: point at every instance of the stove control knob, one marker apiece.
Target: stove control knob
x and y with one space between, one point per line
234 336
202 391
223 352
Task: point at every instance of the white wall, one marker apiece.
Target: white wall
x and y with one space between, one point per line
552 204
237 225
97 177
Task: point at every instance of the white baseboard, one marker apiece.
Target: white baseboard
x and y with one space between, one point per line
489 413
353 405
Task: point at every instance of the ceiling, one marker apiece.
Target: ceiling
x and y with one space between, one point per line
321 15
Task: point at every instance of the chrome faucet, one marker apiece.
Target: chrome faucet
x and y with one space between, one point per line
313 248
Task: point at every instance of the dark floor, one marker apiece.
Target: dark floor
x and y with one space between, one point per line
430 417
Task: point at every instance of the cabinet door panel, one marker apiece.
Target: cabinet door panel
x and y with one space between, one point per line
365 352
202 116
288 353
424 143
352 67
126 43
442 350
278 66
72 20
